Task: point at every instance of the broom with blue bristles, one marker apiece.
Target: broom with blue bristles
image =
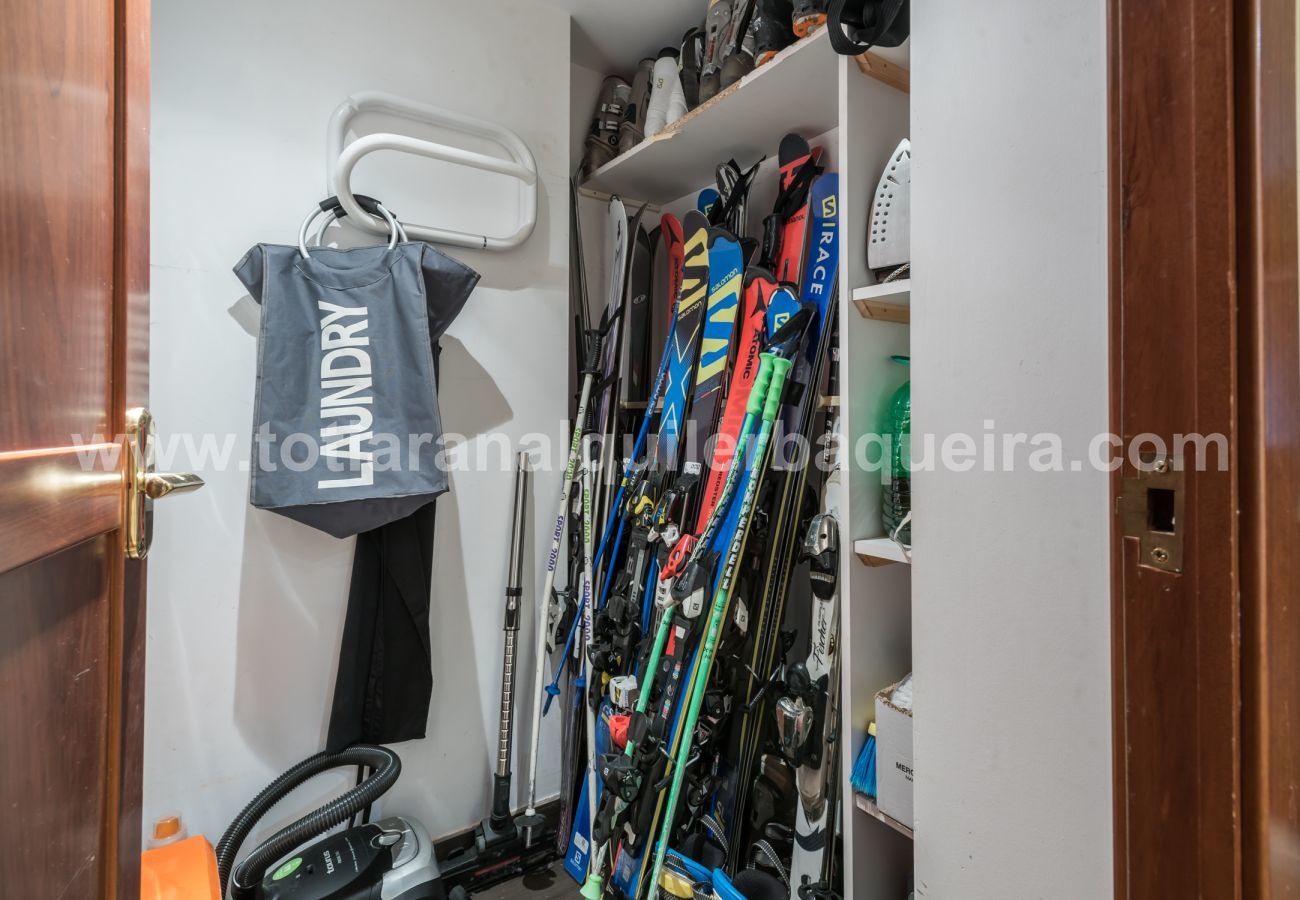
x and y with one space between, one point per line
864 768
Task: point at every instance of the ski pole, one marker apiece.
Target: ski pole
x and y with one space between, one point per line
591 888
548 585
691 576
587 578
500 815
769 402
638 447
553 688
649 593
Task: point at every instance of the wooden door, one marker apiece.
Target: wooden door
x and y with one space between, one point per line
1177 682
74 151
1206 340
1269 324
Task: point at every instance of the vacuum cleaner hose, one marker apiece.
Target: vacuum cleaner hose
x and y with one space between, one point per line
385 766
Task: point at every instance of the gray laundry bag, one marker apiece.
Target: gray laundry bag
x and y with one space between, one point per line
346 430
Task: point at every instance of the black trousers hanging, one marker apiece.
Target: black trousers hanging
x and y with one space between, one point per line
385 674
385 679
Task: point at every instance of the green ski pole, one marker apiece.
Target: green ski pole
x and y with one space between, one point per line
769 402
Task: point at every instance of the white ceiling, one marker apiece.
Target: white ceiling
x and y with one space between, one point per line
612 35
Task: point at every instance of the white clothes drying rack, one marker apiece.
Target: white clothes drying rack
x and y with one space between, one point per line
341 159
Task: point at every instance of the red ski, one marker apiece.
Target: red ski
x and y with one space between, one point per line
799 167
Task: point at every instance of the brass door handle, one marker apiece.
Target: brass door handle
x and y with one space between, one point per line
160 484
142 485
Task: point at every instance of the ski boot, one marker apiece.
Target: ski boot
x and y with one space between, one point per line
809 15
771 28
768 857
740 62
738 50
631 130
749 884
773 795
667 101
699 849
717 29
602 137
692 59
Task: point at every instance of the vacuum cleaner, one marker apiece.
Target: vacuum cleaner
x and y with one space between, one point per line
391 859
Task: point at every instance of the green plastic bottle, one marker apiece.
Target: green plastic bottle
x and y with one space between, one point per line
897 427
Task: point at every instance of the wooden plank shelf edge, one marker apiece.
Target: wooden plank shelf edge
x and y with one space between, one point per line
889 302
884 312
631 202
868 806
880 552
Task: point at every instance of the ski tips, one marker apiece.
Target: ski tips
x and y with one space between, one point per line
789 332
793 148
693 221
706 200
717 234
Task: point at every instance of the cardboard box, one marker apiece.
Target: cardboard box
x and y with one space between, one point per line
893 758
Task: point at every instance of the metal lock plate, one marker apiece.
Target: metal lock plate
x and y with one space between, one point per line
1151 507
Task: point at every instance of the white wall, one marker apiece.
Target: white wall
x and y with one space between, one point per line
246 607
584 93
1011 589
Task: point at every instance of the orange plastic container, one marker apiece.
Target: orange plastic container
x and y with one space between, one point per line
184 870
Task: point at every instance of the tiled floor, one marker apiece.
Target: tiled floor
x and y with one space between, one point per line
549 885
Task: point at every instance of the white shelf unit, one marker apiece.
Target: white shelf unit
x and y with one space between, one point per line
856 112
875 601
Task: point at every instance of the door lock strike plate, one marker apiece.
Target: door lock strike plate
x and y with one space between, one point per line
1151 507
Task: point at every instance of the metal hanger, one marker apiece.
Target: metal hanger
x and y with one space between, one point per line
341 159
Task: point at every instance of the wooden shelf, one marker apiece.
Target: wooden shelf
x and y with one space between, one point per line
890 302
880 552
868 806
796 92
